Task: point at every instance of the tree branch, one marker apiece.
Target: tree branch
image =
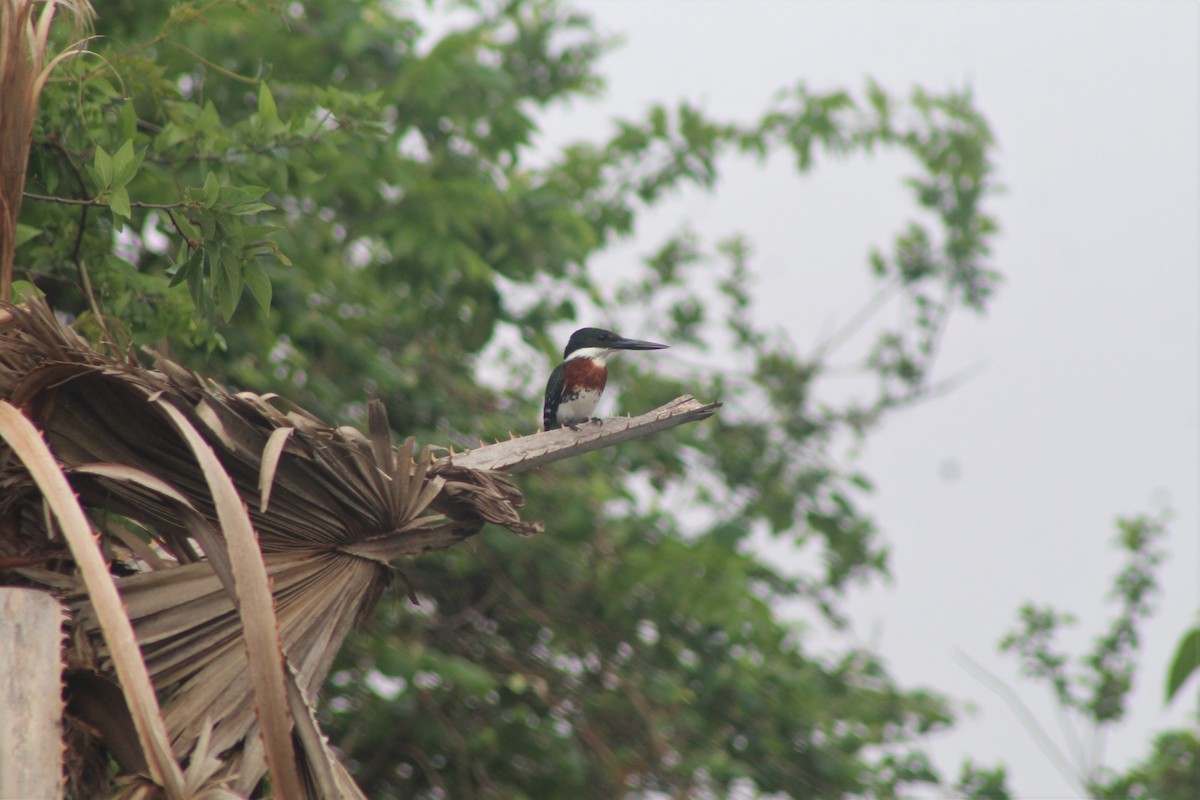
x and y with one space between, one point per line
545 447
70 201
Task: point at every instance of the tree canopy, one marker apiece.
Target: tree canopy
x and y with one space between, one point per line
329 201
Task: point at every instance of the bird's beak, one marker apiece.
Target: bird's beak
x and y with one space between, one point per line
635 344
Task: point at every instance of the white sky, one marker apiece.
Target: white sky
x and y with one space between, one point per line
1085 403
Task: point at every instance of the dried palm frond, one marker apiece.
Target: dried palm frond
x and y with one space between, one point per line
24 68
245 538
177 474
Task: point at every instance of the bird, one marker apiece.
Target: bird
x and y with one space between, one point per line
576 384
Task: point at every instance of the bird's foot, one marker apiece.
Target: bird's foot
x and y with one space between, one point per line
597 421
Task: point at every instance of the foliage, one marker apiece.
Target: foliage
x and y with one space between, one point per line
981 784
1172 772
1099 688
380 194
1093 688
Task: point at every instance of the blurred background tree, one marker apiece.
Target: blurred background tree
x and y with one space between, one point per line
1091 689
330 201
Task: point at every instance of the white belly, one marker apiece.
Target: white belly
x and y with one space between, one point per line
578 409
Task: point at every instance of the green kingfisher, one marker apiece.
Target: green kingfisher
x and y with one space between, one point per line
576 384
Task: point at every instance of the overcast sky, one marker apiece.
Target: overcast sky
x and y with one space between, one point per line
1083 398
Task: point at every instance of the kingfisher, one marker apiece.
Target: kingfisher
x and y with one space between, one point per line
576 384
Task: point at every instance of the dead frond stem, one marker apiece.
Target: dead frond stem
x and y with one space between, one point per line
24 68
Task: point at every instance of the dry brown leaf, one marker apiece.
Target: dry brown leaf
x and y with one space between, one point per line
270 462
257 609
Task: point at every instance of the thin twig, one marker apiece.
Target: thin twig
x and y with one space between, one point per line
192 243
77 250
217 67
70 201
856 322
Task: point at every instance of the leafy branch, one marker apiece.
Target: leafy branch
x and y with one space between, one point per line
1093 688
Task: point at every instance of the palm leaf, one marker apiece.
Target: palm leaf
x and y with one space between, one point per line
229 505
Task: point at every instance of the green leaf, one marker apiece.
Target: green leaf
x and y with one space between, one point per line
264 246
104 87
122 160
208 225
23 290
259 283
250 208
266 104
25 233
189 268
118 201
103 166
212 190
1185 663
127 121
210 118
235 195
243 200
227 273
126 163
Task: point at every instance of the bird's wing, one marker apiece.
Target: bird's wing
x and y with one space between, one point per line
553 396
